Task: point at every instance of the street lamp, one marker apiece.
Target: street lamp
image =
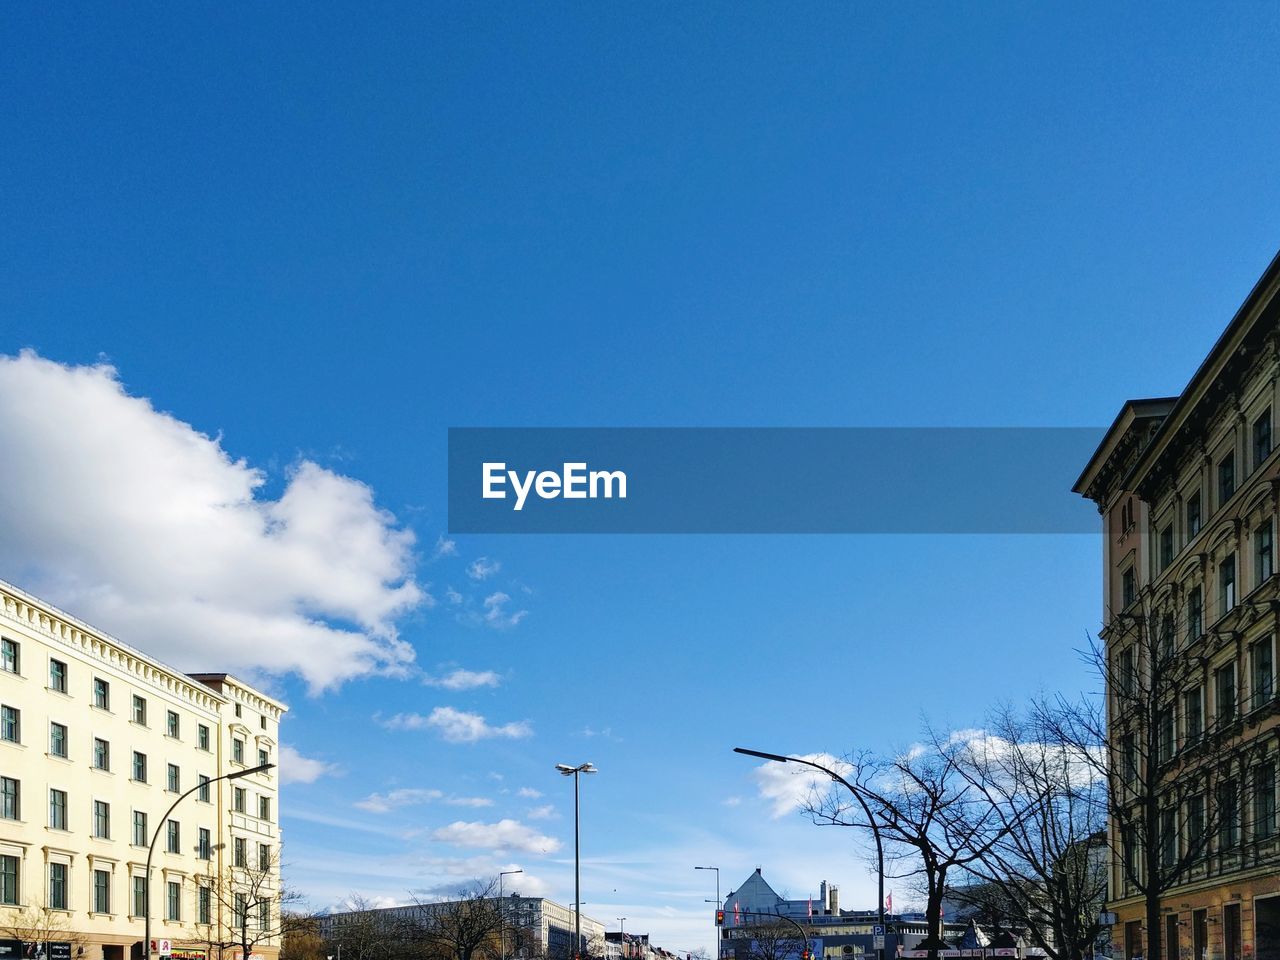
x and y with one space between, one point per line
146 926
714 929
502 913
871 821
569 771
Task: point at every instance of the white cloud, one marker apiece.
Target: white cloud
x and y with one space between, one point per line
504 835
458 726
464 680
528 793
407 797
444 548
544 812
495 612
295 768
482 568
787 787
153 530
453 596
731 801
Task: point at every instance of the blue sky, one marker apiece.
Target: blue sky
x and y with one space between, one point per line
324 236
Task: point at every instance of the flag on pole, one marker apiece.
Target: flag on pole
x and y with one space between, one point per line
811 906
888 902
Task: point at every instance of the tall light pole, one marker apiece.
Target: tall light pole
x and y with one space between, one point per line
146 925
857 794
622 936
569 771
714 928
502 914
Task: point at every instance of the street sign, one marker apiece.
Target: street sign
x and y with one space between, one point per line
162 947
878 942
878 929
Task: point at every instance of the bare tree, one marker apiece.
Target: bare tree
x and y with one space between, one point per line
42 926
926 814
770 940
1156 778
361 934
1046 873
300 936
248 905
468 927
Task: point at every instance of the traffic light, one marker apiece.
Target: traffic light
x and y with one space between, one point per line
719 918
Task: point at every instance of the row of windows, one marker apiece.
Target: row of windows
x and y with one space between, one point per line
100 894
11 662
1226 483
1262 554
11 809
11 730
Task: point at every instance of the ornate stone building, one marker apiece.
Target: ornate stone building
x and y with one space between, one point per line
1187 488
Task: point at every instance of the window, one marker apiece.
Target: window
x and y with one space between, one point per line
175 779
58 740
264 914
9 655
58 886
1227 585
1226 478
139 767
238 909
262 722
1195 614
141 836
1166 637
102 820
1228 815
1164 734
1128 674
1224 690
237 750
172 724
1168 837
1128 588
173 837
1126 516
1166 547
1264 800
9 880
263 758
139 896
139 710
58 676
1261 438
1264 563
10 808
101 891
1193 715
237 799
1193 514
204 848
264 856
101 694
57 809
173 900
202 736
11 724
1262 672
238 711
240 855
204 906
203 794
101 754
1129 758
264 808
1195 820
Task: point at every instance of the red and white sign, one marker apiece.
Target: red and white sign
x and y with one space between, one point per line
162 947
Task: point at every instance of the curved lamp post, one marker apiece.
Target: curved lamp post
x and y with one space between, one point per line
715 929
569 771
146 936
857 793
502 913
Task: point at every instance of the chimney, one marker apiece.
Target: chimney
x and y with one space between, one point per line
835 900
822 897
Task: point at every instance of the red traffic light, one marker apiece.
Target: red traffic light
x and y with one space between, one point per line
719 918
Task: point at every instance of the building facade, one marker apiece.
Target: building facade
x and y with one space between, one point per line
97 741
1187 489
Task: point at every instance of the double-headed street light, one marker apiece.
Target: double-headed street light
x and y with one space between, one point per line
714 927
857 793
569 771
146 926
502 914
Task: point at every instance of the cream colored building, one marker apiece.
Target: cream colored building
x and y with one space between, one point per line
97 740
